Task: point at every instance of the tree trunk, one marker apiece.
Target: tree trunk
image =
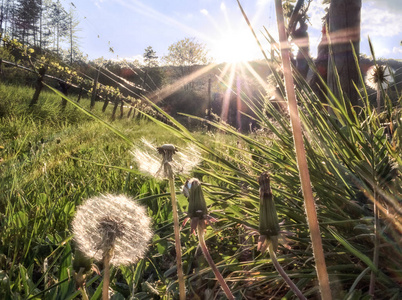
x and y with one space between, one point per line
344 28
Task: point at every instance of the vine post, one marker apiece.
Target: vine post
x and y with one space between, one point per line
94 89
39 86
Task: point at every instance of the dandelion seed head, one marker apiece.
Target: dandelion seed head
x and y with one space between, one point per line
151 159
379 74
112 221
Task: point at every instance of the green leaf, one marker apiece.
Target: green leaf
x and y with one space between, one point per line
65 271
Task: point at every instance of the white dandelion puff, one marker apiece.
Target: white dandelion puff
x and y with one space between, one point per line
151 159
112 222
379 75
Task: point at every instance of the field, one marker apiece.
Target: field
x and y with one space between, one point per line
52 159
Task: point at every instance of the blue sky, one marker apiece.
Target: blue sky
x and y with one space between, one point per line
129 26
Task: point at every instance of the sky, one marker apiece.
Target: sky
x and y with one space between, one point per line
129 26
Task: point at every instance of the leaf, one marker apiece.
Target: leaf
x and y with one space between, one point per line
65 272
359 255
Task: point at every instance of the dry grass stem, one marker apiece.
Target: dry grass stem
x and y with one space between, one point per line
301 159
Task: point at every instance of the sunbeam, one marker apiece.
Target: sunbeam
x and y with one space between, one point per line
168 90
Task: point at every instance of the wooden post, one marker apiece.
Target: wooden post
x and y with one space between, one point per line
106 103
1 68
79 95
39 86
130 110
93 98
209 104
121 109
116 103
64 89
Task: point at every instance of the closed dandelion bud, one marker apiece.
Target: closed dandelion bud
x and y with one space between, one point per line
197 207
269 224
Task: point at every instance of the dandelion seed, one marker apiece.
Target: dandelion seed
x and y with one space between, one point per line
112 221
379 75
165 166
150 162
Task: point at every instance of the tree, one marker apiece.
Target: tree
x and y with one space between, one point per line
187 52
27 17
73 39
59 20
185 55
344 29
150 60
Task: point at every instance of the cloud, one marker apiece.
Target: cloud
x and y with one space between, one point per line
263 2
316 12
379 22
397 50
223 6
381 52
98 3
394 5
204 12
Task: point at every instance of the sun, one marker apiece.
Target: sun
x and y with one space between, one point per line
235 47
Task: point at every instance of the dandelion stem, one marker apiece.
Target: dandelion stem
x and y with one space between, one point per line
176 226
282 272
84 293
106 274
378 97
309 202
211 263
376 253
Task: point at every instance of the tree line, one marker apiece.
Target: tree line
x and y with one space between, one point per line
42 24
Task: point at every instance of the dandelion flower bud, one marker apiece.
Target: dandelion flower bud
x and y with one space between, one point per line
269 224
114 224
197 207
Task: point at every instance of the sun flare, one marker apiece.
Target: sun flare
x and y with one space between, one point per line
235 47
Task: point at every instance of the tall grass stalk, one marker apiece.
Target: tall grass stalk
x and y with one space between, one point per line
301 159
